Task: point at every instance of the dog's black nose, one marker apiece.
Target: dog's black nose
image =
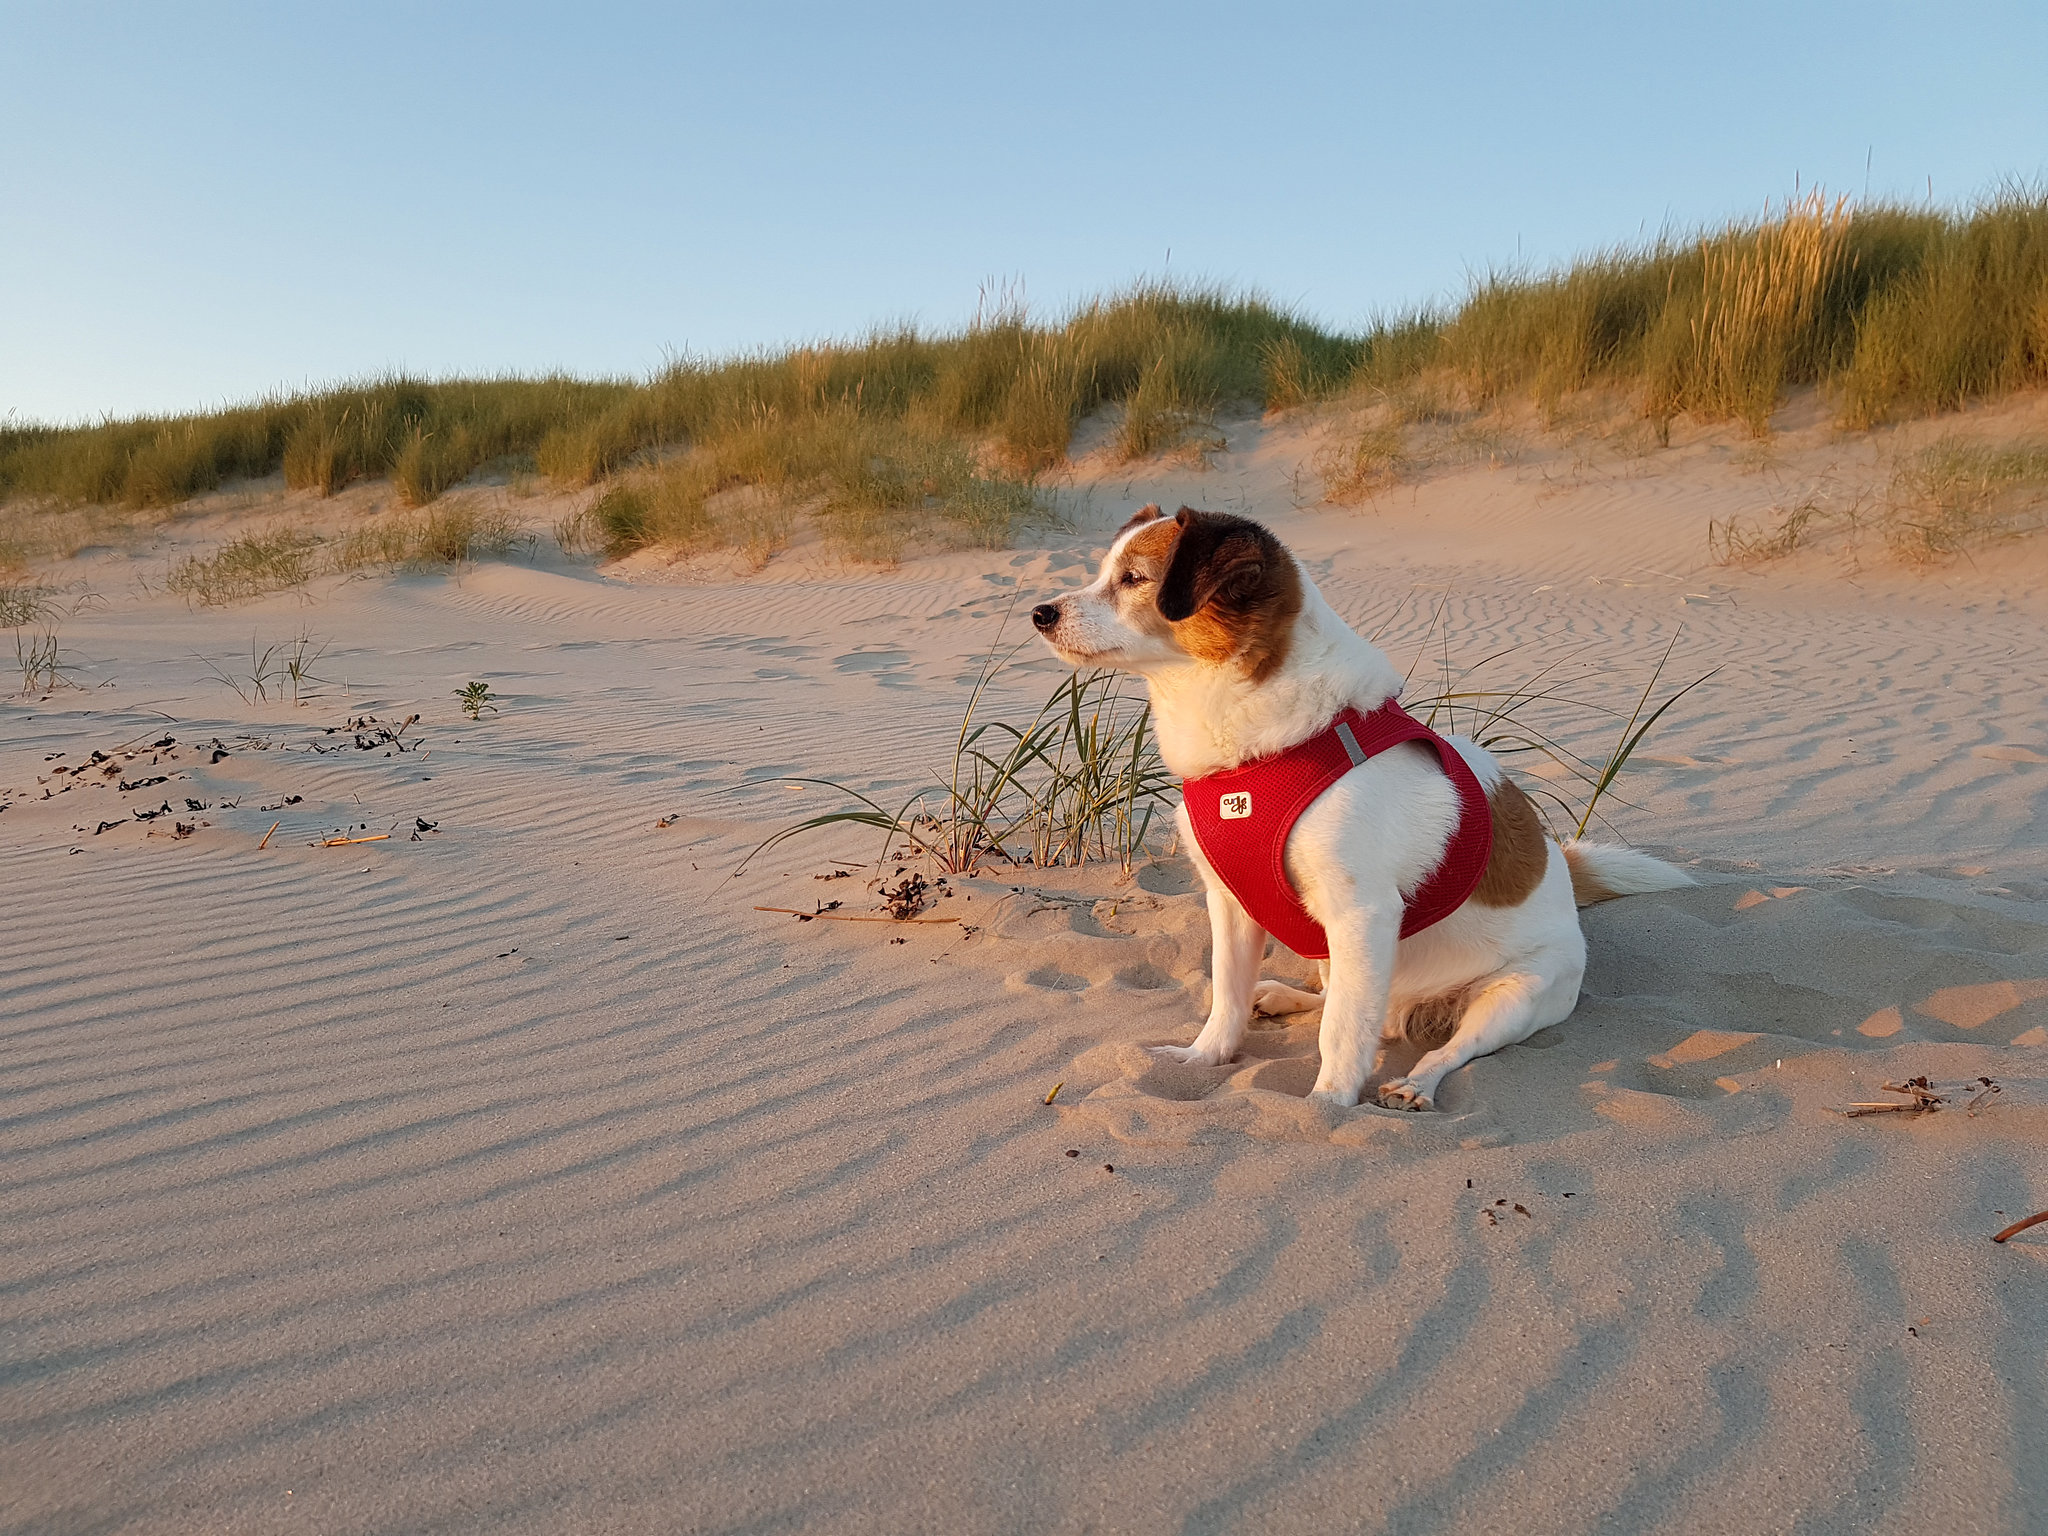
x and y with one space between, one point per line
1045 615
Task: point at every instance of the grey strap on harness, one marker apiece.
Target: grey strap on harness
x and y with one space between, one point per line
1352 749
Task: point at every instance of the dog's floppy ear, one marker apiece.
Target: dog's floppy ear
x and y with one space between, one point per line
1217 557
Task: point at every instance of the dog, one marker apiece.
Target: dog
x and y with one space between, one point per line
1249 667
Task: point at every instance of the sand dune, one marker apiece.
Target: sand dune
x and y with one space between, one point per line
516 1174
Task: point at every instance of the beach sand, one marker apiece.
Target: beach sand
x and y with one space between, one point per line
515 1173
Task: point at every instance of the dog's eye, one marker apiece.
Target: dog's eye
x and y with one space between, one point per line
1135 578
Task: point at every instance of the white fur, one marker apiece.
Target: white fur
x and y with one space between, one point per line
1374 834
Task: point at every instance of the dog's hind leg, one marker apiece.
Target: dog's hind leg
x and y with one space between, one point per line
1270 997
1503 1009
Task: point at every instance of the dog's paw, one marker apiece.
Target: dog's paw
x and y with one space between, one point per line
1335 1098
1185 1055
1402 1093
1271 998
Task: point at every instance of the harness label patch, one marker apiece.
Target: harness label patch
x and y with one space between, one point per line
1234 807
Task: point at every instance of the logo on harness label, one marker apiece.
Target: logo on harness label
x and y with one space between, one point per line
1235 806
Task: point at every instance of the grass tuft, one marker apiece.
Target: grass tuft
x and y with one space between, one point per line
1536 717
278 559
1942 501
450 533
25 602
38 659
1365 463
247 566
1080 780
870 486
1954 495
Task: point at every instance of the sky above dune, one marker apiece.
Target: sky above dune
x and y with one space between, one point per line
205 202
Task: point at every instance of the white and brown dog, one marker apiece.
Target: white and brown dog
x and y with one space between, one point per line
1246 661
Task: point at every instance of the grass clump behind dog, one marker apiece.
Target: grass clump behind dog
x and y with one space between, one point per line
270 560
451 533
869 486
278 559
1941 501
1080 780
1954 495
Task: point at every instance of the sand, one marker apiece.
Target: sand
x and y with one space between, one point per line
518 1175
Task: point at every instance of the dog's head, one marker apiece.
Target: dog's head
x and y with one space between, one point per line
1202 587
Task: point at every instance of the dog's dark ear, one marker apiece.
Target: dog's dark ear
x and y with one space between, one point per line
1216 558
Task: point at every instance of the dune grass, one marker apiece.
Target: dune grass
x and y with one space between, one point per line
427 435
448 534
25 602
249 565
1893 310
1955 495
278 559
1941 501
1896 310
869 484
1079 780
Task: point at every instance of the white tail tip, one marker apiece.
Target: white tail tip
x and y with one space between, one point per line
1603 871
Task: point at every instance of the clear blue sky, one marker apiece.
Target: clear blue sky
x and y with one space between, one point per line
201 202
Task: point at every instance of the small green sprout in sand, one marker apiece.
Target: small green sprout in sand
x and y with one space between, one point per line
476 698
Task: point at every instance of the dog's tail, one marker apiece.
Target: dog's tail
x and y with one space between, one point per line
1602 871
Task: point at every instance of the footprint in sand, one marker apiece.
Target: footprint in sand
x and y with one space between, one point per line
888 666
1050 978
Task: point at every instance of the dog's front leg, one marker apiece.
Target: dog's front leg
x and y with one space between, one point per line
1361 969
1236 946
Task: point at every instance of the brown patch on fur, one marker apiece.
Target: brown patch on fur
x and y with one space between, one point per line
1520 851
1431 1022
1587 887
1206 638
1231 591
1153 547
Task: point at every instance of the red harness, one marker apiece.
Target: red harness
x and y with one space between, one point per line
1242 817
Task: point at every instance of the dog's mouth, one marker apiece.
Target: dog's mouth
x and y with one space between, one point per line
1075 657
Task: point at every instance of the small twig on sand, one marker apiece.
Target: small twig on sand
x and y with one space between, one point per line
346 842
852 917
1921 1096
1056 1087
1920 1090
266 836
2020 1226
150 732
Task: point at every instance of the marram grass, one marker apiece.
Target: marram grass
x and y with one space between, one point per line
1892 310
1938 502
278 559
